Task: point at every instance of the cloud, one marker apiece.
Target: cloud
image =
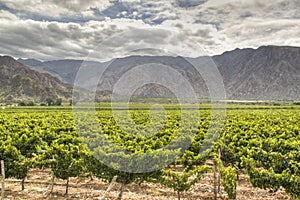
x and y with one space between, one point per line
7 16
79 5
281 32
55 10
51 40
58 6
56 29
252 23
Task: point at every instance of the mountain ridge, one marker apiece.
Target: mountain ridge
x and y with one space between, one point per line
265 73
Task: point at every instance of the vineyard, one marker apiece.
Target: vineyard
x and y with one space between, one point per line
262 142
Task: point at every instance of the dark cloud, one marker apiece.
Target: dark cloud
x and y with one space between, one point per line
246 14
190 3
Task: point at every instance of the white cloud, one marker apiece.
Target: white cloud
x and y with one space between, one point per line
7 16
72 10
55 7
45 9
276 32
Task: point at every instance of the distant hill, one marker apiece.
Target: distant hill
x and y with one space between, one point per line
266 73
18 82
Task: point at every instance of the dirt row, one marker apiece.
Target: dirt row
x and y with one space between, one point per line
38 183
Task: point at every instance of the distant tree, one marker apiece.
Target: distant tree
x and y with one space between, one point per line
73 102
58 102
22 103
49 101
30 103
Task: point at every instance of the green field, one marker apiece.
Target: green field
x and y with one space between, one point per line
261 140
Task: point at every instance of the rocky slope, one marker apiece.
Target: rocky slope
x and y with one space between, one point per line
18 82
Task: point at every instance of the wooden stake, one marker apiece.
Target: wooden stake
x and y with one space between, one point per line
3 179
67 186
53 176
22 183
112 183
178 194
219 173
215 180
121 192
52 182
235 184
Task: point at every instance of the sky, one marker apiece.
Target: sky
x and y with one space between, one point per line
81 29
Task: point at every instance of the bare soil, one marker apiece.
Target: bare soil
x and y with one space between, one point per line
38 183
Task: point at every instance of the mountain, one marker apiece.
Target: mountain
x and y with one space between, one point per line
266 73
269 72
65 70
37 65
18 82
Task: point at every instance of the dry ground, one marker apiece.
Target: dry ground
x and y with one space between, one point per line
37 186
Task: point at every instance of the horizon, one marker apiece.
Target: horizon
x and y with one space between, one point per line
68 59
